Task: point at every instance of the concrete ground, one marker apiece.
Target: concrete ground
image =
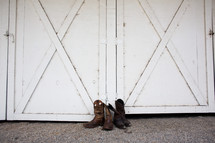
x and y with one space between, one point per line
148 129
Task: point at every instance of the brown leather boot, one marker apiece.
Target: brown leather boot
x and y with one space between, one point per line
108 125
120 107
98 120
119 115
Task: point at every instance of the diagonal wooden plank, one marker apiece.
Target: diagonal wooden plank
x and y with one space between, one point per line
64 57
157 53
63 29
36 78
186 74
175 55
151 16
69 19
48 56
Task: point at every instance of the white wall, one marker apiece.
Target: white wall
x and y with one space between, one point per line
4 4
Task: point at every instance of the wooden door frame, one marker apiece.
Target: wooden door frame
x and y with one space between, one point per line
4 11
10 83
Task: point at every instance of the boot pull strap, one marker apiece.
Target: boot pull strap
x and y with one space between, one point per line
113 109
105 105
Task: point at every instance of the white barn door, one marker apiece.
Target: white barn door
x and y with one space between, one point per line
154 54
165 55
57 60
4 10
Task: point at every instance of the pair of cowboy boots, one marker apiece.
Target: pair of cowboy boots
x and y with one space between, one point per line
119 119
101 118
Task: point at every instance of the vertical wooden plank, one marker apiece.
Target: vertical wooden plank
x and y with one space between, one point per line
102 50
4 7
111 50
120 45
19 52
213 48
200 47
11 61
209 17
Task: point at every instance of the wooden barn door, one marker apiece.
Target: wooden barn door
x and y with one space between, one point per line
57 59
164 55
154 54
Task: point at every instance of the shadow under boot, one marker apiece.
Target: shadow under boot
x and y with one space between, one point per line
98 120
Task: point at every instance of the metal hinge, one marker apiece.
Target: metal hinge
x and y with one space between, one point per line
211 32
7 34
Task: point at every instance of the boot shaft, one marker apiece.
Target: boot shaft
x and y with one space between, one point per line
99 109
120 106
108 125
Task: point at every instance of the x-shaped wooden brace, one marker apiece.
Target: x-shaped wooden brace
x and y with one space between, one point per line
165 39
56 46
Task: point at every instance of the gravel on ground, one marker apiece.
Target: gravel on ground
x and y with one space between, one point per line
194 129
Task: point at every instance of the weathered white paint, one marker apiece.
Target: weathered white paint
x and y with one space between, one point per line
171 73
102 51
4 9
11 63
111 51
213 28
68 53
120 48
60 74
210 65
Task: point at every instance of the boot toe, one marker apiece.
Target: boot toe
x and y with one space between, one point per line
127 123
119 124
86 125
108 128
